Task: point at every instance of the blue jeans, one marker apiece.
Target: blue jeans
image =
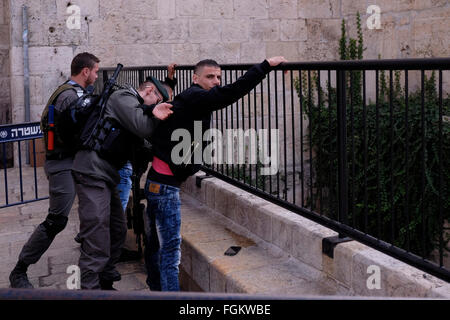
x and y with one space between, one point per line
163 240
124 185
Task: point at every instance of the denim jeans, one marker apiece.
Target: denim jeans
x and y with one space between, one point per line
162 250
124 186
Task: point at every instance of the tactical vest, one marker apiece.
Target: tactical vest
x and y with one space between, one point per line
112 142
61 149
108 137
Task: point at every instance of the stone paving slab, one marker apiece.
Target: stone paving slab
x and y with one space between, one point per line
17 224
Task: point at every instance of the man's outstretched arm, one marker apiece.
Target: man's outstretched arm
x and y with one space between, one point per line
220 97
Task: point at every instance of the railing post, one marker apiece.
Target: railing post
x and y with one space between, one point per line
342 147
141 77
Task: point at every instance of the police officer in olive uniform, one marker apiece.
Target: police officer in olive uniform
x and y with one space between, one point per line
130 116
58 164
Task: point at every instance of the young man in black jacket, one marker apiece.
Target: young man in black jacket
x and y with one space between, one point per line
195 104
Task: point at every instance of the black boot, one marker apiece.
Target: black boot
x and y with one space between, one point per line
107 279
106 284
18 277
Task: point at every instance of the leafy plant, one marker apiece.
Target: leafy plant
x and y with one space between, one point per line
398 159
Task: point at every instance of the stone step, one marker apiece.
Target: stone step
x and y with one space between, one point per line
354 269
257 268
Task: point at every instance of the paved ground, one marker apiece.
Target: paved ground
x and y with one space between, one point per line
18 222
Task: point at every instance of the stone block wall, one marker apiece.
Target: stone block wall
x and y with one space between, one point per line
5 89
358 270
157 32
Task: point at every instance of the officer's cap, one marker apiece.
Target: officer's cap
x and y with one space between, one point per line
159 86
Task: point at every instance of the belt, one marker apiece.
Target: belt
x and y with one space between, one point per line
159 188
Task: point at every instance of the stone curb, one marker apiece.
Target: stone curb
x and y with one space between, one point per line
354 268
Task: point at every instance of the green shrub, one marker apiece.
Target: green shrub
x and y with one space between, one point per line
381 178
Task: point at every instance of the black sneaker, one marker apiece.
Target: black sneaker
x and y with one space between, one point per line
106 285
19 279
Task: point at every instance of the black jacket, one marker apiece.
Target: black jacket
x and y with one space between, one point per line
197 104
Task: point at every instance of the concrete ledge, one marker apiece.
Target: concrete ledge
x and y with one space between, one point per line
278 246
258 268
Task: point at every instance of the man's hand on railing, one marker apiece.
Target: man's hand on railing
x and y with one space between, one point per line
171 70
274 61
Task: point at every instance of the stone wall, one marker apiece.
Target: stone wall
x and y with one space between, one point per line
5 79
157 32
5 89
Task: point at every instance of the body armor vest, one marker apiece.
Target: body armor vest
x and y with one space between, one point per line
61 150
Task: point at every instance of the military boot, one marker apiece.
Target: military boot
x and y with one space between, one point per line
18 277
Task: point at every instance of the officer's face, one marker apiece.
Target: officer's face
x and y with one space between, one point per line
92 75
208 77
152 95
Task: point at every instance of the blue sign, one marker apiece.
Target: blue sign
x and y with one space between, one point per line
21 131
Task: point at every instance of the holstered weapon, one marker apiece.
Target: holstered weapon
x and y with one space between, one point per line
51 128
137 217
139 159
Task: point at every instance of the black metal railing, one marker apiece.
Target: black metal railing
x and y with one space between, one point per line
16 139
361 152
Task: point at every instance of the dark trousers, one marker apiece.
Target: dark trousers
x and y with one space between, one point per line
61 197
102 228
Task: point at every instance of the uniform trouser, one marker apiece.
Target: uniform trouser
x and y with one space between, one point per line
61 197
102 229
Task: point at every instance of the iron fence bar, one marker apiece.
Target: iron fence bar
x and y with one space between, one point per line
221 127
352 152
310 142
34 170
250 141
302 173
5 166
269 126
238 127
406 159
283 77
369 64
422 186
232 126
391 129
365 152
441 170
276 124
377 123
226 123
293 134
342 147
22 202
262 128
330 146
215 142
20 170
242 109
255 122
319 151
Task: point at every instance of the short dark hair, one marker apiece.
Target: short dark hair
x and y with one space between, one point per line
205 63
83 60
